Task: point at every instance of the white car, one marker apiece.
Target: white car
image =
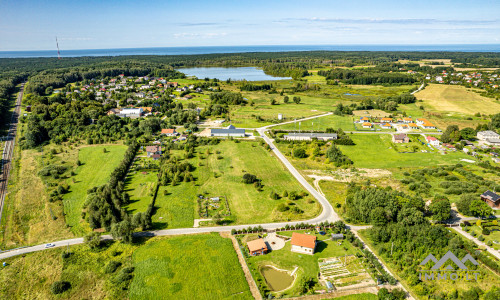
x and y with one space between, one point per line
49 245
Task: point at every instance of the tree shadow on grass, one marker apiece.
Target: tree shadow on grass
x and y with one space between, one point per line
321 246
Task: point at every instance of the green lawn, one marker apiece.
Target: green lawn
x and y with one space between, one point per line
376 151
140 186
494 235
363 296
188 267
221 175
321 124
308 264
95 171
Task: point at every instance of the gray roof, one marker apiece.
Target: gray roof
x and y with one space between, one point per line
312 135
337 236
227 131
493 141
488 132
491 196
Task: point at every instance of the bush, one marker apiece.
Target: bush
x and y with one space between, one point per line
60 287
486 231
112 266
249 178
299 153
282 207
481 238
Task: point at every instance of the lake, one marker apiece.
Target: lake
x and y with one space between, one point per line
244 73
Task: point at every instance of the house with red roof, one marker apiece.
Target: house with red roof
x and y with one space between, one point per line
303 243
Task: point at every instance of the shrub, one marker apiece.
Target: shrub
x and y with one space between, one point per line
481 238
299 153
60 287
112 266
282 207
249 178
489 243
486 231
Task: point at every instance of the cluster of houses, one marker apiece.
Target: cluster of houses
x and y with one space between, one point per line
389 123
491 80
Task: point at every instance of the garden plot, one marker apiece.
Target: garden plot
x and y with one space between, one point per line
344 271
213 206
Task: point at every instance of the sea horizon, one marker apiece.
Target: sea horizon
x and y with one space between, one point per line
246 49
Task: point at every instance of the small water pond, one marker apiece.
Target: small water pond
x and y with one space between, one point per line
244 73
276 280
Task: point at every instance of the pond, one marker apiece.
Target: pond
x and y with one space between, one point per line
244 73
276 280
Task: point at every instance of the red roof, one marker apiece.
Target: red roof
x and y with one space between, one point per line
168 131
303 240
431 138
257 245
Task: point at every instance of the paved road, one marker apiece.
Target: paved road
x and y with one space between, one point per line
8 152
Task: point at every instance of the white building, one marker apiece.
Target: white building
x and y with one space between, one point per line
303 243
229 131
306 136
488 134
132 112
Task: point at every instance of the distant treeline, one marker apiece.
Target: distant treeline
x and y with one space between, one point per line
367 76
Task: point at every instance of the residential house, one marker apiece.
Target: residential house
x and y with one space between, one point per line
421 121
367 125
428 125
364 119
131 112
229 131
257 247
147 109
113 111
386 126
152 150
433 141
492 142
413 126
386 120
400 138
491 198
488 134
169 132
303 243
306 136
407 120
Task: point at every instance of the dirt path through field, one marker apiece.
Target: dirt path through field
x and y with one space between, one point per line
251 283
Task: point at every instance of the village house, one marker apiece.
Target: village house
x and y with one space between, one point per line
407 120
257 247
152 150
413 126
229 131
386 120
364 119
400 138
491 198
131 112
169 132
367 125
421 121
386 126
305 136
428 125
113 111
303 243
433 141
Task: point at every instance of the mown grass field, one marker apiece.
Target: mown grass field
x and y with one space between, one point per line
456 99
188 267
221 175
140 186
308 264
95 171
376 151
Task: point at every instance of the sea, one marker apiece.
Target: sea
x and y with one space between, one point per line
242 49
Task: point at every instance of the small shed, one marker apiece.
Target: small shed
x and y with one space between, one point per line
337 236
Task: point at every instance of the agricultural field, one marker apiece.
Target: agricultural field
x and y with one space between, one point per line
188 267
456 99
220 174
92 159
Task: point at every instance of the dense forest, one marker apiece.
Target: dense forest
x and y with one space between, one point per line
368 76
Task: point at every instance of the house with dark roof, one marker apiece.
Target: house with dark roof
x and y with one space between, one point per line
152 150
491 198
229 131
400 138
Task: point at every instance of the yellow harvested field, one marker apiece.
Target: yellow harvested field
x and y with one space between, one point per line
376 113
456 99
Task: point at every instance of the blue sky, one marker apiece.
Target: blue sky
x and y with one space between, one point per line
92 24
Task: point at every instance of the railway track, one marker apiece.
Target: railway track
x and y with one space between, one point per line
8 152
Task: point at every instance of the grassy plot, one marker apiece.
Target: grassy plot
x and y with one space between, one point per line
28 216
321 124
31 276
188 267
140 186
377 151
457 99
95 170
221 175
